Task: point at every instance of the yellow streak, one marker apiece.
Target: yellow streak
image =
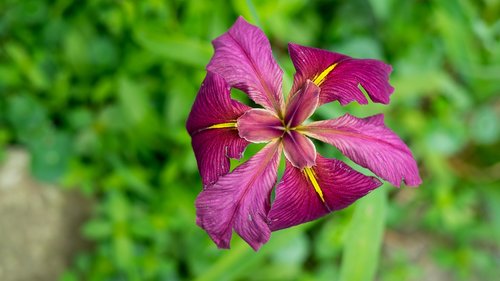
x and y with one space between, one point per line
223 125
319 79
312 178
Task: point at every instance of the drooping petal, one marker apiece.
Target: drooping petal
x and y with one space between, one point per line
369 143
259 125
299 150
213 148
338 75
212 126
302 104
306 195
243 57
241 200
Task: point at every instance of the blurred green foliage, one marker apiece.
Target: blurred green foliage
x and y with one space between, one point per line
98 91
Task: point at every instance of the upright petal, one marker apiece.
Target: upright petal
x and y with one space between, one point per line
339 75
243 57
241 200
212 126
299 150
260 125
302 104
306 195
369 143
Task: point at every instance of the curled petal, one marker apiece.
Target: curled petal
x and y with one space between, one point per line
306 195
369 143
302 104
299 150
212 126
259 125
339 75
243 57
241 200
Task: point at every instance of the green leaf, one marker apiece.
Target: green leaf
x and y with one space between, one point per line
484 126
364 238
50 156
133 99
68 276
381 8
236 263
97 229
177 48
123 251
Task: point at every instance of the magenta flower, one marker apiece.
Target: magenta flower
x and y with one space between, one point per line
312 186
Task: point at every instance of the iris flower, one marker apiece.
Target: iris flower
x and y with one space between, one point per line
312 185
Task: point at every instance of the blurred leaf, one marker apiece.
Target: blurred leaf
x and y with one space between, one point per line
26 65
97 229
123 252
133 100
50 156
364 238
174 47
118 207
27 116
360 47
448 18
445 140
484 125
233 263
381 8
68 276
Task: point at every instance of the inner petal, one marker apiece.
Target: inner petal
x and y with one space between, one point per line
259 125
302 104
299 149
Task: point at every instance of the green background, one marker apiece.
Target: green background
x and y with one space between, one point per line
99 91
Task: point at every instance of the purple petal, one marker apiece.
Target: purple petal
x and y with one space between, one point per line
213 148
243 57
240 200
338 75
306 195
302 104
212 126
299 149
213 105
371 144
260 125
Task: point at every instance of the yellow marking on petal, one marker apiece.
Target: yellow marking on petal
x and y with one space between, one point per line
311 175
319 79
223 125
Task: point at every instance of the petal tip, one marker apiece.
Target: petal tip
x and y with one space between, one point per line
414 183
377 182
221 244
256 245
241 19
292 46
